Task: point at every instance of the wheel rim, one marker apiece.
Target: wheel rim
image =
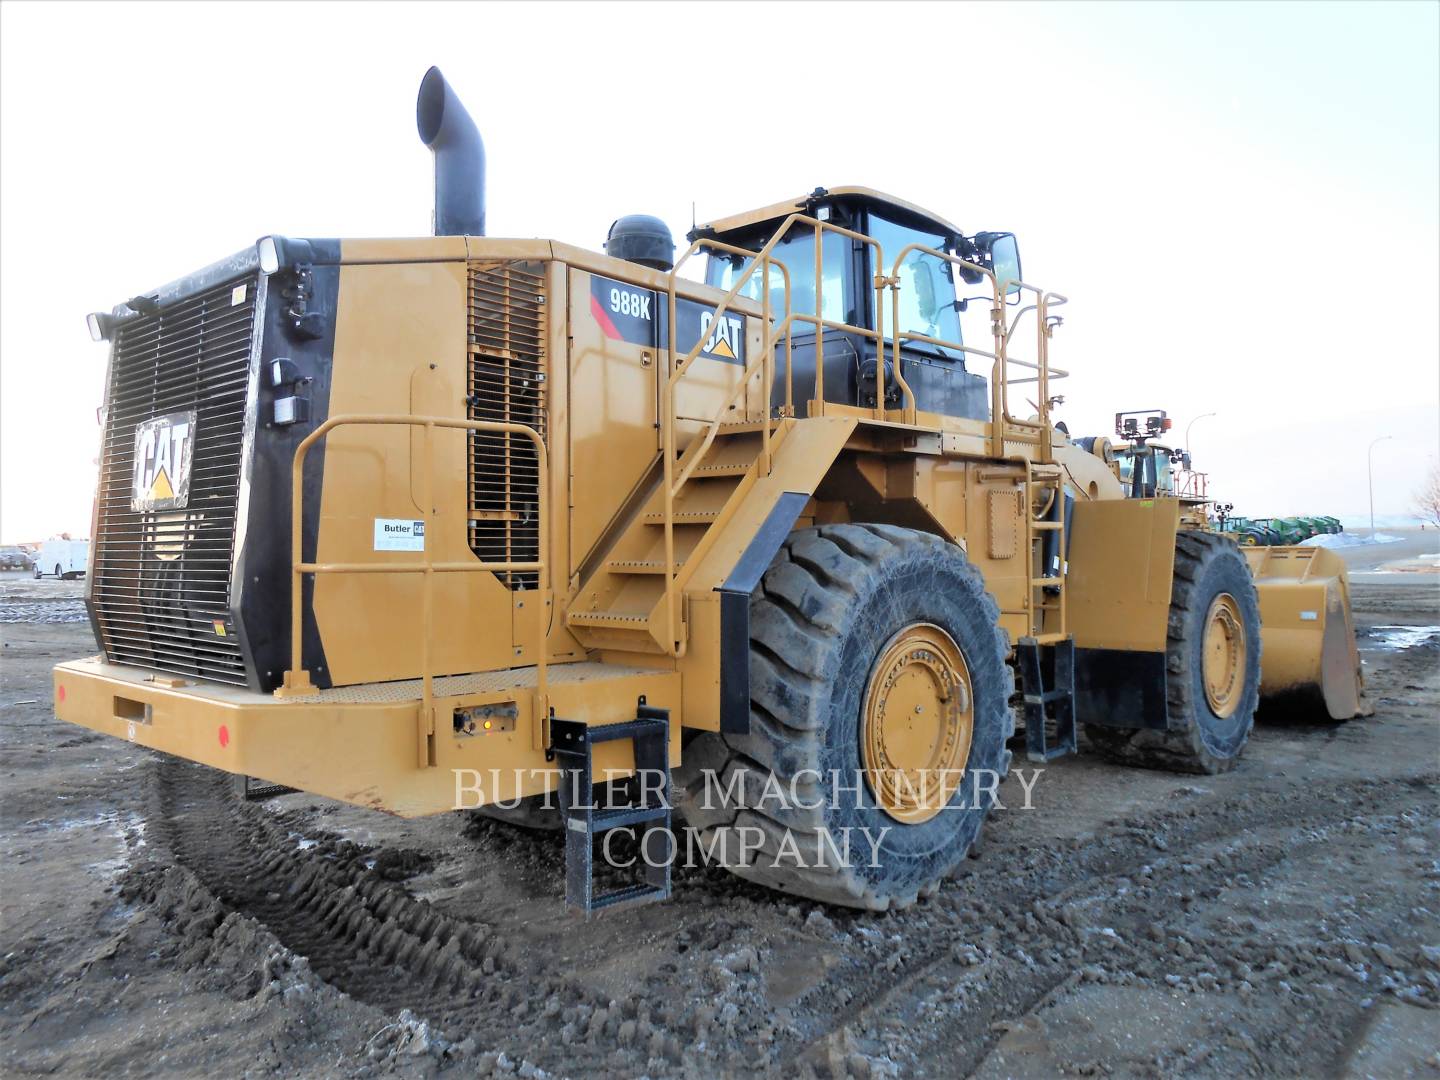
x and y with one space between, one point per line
917 723
1223 652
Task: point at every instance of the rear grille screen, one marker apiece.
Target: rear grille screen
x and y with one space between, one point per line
506 383
161 588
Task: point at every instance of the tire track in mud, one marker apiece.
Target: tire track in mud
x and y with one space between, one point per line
363 935
993 945
1023 906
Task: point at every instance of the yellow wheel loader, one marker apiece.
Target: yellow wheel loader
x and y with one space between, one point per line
1311 665
460 522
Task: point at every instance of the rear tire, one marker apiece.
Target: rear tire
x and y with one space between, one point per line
839 604
1211 703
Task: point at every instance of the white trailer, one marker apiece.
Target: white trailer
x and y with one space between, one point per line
64 559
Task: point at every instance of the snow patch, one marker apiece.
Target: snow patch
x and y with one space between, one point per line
1404 637
1346 540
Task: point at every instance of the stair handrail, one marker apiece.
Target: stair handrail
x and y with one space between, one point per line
694 453
996 319
1002 424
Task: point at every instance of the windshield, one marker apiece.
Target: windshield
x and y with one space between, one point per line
1156 477
797 252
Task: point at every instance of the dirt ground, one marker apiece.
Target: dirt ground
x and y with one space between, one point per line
1283 919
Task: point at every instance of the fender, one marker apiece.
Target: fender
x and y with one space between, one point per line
716 666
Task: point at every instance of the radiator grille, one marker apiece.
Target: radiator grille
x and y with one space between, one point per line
161 580
507 383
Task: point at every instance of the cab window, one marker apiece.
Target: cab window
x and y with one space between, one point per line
797 252
927 286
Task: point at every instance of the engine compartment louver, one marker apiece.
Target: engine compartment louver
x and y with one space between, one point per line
160 588
507 382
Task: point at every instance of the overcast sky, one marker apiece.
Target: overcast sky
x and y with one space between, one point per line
1242 201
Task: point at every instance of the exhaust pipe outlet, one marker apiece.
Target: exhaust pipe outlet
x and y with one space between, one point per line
446 128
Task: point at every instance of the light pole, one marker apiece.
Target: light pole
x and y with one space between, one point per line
1370 464
1191 424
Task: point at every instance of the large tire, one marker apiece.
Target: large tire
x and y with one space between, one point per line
1200 739
836 602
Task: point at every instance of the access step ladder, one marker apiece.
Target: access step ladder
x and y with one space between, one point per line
1047 680
572 743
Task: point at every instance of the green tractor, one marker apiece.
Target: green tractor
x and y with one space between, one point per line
1265 528
1291 530
1247 532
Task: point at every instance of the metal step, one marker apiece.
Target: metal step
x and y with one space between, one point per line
1048 698
640 566
707 472
614 620
684 517
253 789
571 741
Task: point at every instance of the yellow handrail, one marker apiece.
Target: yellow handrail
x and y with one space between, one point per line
1003 426
694 453
297 679
996 305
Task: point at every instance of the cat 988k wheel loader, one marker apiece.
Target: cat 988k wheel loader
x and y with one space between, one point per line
460 521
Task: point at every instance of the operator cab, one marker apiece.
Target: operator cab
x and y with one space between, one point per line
1146 467
933 294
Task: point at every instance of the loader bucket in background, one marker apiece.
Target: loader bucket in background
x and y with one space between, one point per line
1309 665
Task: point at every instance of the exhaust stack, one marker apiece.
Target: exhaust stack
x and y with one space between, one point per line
446 128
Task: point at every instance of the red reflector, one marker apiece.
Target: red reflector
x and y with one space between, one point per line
224 735
60 694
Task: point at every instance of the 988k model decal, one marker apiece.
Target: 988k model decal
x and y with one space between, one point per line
639 316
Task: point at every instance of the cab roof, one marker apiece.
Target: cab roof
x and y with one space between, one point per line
905 213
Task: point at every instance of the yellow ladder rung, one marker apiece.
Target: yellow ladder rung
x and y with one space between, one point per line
1047 583
1047 525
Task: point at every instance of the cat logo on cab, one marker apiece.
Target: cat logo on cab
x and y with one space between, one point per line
724 339
642 317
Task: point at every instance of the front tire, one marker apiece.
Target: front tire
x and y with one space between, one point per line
879 711
1212 665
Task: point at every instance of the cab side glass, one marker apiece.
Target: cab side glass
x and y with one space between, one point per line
927 285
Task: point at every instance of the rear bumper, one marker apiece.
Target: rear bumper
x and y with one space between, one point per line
357 744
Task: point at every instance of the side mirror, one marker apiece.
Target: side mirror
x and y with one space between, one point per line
1001 253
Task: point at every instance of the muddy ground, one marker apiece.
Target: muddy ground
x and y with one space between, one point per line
1283 919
